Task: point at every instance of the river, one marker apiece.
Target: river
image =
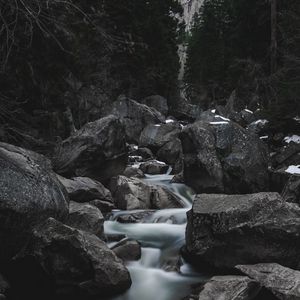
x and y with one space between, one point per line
161 273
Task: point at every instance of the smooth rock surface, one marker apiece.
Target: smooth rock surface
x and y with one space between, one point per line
84 189
133 193
226 230
283 282
86 217
154 167
78 262
135 117
128 249
29 193
158 102
97 150
229 288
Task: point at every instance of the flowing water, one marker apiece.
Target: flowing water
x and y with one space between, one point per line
160 274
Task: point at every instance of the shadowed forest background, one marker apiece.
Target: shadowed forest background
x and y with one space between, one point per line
72 59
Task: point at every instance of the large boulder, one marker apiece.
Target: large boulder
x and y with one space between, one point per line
4 287
171 153
133 193
29 193
135 117
84 189
158 102
154 136
154 167
78 263
283 282
97 150
229 288
291 191
226 230
221 157
86 217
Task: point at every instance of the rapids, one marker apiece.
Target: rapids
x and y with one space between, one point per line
161 273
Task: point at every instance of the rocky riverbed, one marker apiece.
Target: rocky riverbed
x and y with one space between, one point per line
143 205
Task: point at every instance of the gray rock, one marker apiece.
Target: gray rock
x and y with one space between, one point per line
104 206
135 117
171 153
224 157
158 102
97 151
226 230
133 172
29 193
84 189
154 167
77 261
145 153
133 193
128 250
287 155
229 288
135 217
155 136
281 281
291 192
86 217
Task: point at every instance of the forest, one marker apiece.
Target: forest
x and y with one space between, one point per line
149 149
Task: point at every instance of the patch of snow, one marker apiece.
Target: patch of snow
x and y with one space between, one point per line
293 138
248 110
159 162
225 119
182 126
264 137
169 121
218 123
135 147
293 169
297 119
261 121
136 165
213 111
157 125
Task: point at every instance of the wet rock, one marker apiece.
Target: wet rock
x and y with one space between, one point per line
86 217
135 217
135 117
133 172
291 192
220 229
281 281
288 155
97 151
154 167
78 262
128 249
158 102
84 189
105 207
145 153
133 193
171 153
229 288
224 157
29 193
156 136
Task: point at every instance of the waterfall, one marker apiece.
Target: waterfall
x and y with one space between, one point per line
190 7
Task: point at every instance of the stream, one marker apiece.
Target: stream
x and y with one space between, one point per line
161 273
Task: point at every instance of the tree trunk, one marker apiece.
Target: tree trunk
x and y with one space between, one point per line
273 36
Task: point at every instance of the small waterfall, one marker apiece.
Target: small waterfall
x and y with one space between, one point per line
161 273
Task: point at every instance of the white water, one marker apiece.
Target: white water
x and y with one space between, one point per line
161 234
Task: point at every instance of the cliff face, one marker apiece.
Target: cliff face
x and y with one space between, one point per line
190 7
